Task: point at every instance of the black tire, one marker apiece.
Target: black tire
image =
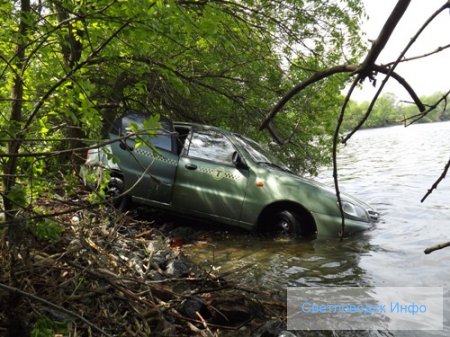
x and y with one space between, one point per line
286 223
115 194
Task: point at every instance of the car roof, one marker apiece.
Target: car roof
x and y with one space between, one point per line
123 123
167 124
197 126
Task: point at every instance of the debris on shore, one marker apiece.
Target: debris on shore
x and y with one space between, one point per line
114 275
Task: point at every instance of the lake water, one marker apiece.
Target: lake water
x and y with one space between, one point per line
391 169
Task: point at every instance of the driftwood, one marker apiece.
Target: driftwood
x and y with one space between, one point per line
131 284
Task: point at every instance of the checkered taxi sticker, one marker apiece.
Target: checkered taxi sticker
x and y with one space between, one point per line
156 156
219 173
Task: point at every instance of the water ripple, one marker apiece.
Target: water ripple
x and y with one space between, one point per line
391 168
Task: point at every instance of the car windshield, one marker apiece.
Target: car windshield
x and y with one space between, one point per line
259 154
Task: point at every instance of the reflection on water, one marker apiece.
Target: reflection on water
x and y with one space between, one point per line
390 168
280 263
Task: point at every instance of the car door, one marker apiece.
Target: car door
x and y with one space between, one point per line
207 182
148 174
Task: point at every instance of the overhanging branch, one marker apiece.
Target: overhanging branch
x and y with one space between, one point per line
383 37
353 69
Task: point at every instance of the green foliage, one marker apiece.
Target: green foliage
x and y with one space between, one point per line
98 180
388 111
68 68
17 194
385 112
47 230
149 129
45 327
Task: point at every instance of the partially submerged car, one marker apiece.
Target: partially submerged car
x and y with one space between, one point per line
213 174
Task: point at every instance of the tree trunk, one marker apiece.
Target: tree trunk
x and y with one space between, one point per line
71 49
17 325
10 169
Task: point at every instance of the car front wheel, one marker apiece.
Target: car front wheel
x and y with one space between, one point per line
286 223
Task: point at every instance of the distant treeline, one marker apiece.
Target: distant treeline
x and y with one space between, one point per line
389 111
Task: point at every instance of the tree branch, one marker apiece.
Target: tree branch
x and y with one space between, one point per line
436 247
54 306
332 71
335 148
383 37
70 73
419 116
366 69
437 182
392 68
437 50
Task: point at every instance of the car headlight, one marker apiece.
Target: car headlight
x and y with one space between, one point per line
354 211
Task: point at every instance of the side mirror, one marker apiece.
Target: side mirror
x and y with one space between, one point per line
238 161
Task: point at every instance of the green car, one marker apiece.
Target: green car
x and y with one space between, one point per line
209 173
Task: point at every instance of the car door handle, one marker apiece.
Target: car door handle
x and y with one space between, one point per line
191 166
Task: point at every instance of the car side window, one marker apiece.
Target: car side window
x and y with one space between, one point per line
211 145
162 141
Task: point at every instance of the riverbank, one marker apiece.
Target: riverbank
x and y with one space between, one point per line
115 274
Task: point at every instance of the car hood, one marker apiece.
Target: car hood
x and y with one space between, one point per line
332 190
319 195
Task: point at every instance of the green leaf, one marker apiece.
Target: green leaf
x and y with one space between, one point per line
47 230
17 195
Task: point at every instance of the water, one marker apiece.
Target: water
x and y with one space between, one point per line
391 169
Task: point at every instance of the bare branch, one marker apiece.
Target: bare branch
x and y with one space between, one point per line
367 69
383 37
392 68
419 116
54 306
332 71
335 145
60 152
437 182
437 50
436 247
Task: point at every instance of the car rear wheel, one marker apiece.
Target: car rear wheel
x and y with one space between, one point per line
115 193
286 223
